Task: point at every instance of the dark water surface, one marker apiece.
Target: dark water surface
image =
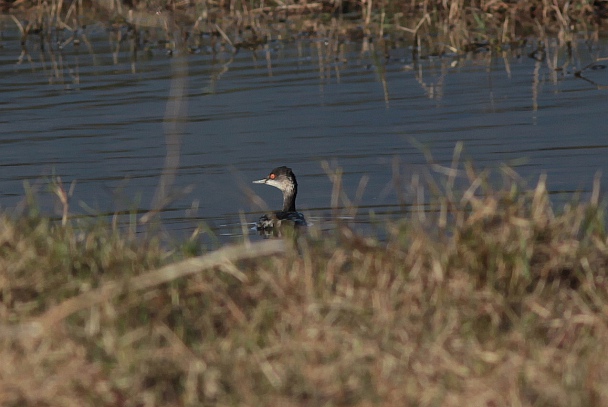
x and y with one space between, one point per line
100 117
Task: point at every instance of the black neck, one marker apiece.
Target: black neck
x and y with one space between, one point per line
289 198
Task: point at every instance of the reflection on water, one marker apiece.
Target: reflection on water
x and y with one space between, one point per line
148 127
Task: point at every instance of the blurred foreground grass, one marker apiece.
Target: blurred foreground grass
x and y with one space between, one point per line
497 299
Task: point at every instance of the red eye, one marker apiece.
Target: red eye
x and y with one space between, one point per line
272 176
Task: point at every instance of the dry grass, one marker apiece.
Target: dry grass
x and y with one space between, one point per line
497 299
433 27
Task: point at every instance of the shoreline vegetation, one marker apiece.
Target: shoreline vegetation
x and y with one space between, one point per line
442 26
495 297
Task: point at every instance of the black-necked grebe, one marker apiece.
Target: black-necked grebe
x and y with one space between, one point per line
284 179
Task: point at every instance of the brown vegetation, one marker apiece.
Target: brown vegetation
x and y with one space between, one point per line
493 300
454 26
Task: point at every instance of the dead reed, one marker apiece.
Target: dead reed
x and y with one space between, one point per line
434 27
495 298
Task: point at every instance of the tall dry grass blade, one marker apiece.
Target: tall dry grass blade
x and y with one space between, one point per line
224 36
595 192
176 112
19 26
540 198
244 228
418 189
358 196
454 169
335 177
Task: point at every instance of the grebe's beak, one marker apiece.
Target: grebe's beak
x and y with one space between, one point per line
261 181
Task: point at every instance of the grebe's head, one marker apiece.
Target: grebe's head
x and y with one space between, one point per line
281 177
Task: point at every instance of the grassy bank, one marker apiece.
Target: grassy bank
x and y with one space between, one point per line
497 298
